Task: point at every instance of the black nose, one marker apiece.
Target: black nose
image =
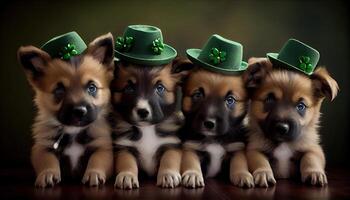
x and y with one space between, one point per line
281 128
209 124
143 113
79 111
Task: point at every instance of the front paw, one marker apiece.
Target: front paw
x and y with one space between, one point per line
126 180
94 177
168 178
263 178
314 177
242 179
48 178
192 179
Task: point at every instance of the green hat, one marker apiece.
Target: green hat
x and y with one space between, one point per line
220 55
297 55
143 44
65 46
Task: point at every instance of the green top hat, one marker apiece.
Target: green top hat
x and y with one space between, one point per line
297 55
143 44
65 46
219 55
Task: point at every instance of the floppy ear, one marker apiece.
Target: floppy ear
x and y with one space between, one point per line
257 70
324 84
34 61
181 68
102 49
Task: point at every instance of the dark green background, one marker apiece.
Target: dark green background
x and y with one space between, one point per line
261 26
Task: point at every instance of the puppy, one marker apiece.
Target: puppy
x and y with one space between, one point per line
71 133
284 120
146 122
214 106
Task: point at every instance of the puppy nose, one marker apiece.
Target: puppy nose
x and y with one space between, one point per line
142 113
79 111
209 124
282 128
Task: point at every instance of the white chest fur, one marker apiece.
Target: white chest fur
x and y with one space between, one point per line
216 152
283 154
147 147
74 151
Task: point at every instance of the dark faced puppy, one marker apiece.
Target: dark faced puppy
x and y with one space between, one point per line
284 121
144 100
71 133
214 106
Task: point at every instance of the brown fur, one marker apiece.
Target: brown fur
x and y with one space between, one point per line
215 85
291 86
43 73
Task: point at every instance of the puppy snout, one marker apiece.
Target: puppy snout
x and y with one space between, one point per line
142 113
80 111
209 124
282 128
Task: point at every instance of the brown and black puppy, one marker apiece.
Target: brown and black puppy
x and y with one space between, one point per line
71 133
214 106
146 122
284 121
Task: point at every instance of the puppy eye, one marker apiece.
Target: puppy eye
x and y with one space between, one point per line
129 89
300 107
197 95
230 101
160 88
270 98
92 89
59 91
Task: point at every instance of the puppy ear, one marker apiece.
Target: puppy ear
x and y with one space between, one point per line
181 67
34 61
102 49
324 84
257 70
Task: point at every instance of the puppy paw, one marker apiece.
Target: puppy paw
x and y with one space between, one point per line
242 179
314 177
192 179
48 178
94 177
126 180
168 179
263 178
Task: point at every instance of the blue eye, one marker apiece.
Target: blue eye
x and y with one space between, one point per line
300 107
197 95
160 88
230 101
92 89
59 91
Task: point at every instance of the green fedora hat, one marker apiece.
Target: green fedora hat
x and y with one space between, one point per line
297 55
219 55
143 44
65 46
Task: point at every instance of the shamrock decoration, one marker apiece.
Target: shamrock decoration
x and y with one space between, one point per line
157 46
217 56
68 51
124 43
304 63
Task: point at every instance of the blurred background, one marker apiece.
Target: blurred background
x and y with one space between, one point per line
261 26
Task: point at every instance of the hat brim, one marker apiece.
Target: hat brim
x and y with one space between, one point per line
273 57
165 57
193 54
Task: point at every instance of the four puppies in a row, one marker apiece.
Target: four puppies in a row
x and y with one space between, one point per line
112 108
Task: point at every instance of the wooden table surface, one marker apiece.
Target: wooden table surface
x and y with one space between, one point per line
18 184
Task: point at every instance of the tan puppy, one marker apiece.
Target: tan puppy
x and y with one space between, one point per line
214 106
284 120
71 134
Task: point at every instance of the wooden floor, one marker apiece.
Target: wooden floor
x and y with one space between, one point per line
18 184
